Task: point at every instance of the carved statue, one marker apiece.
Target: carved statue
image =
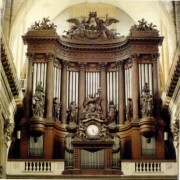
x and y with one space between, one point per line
112 112
92 104
78 28
116 155
143 26
43 25
8 130
73 112
129 109
146 102
93 28
38 101
56 107
68 150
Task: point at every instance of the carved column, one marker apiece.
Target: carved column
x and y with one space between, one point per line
121 94
135 87
49 86
104 88
28 100
64 92
81 88
156 85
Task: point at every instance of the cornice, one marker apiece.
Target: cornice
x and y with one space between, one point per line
173 78
9 68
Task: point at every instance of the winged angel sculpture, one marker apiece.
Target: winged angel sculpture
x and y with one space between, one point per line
93 28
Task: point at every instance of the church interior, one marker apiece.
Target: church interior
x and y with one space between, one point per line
89 89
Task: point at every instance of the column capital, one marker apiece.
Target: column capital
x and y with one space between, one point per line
120 64
103 66
65 64
82 65
135 57
50 56
30 56
155 57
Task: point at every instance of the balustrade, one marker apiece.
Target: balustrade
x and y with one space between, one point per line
148 167
40 166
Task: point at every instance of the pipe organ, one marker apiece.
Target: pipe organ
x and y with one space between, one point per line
94 78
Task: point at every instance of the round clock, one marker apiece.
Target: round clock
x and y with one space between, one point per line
92 130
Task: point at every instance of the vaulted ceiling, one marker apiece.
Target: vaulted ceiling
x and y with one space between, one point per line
18 16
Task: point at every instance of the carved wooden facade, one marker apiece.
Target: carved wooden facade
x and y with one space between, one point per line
70 68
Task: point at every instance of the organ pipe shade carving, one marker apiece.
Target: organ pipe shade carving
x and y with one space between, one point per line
57 83
112 87
72 87
92 82
128 84
39 75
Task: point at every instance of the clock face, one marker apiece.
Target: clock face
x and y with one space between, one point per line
92 130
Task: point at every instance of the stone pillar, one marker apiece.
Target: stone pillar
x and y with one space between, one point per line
156 87
121 94
104 89
135 88
64 92
81 93
49 86
28 96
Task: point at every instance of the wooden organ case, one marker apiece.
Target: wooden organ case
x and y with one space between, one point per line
119 75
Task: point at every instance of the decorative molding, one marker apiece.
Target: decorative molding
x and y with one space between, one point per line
9 68
8 130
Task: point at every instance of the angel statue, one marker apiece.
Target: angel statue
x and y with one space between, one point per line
102 26
78 27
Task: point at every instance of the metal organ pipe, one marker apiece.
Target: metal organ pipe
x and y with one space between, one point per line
145 76
72 87
128 83
92 82
112 87
39 75
57 82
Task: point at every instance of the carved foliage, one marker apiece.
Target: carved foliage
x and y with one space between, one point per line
8 130
43 25
144 26
175 130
